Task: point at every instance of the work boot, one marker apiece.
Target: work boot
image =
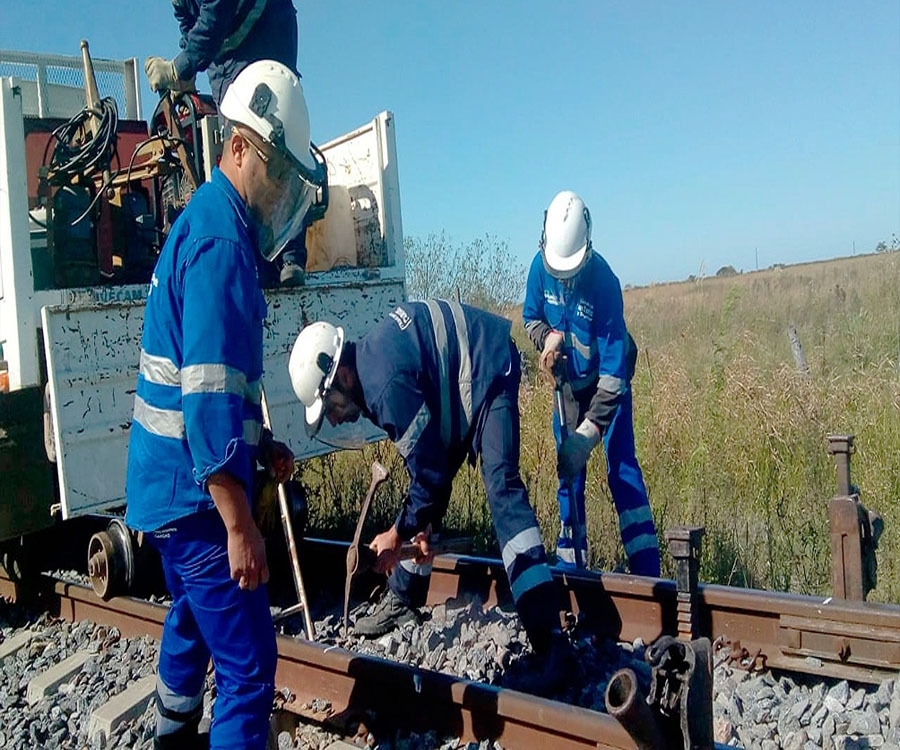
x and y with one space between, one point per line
551 672
388 614
186 738
292 275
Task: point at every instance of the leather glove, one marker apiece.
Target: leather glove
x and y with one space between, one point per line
163 77
574 452
549 355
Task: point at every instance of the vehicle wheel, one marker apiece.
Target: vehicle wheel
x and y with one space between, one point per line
111 561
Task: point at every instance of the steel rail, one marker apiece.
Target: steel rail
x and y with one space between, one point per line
811 635
825 637
382 693
821 637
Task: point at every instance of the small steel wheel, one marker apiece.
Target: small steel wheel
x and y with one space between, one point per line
111 560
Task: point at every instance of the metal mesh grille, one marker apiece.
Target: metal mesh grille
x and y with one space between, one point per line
53 85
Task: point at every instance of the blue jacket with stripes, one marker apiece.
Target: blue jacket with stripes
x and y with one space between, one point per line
427 371
197 406
588 310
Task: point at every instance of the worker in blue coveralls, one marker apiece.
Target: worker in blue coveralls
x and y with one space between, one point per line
573 308
442 380
222 37
197 431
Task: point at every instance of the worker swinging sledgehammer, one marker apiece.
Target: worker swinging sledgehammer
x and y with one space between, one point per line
442 379
573 307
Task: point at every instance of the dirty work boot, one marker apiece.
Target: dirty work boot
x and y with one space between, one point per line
388 614
292 275
186 738
550 672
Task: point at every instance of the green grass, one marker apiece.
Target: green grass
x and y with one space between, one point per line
730 434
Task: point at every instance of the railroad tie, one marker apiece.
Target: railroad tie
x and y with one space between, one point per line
49 680
124 707
12 646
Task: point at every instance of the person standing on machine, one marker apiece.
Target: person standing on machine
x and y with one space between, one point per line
197 436
573 309
222 37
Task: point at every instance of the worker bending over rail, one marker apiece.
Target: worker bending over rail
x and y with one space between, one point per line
573 307
196 433
442 379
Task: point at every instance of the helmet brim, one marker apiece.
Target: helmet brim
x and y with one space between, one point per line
315 414
564 268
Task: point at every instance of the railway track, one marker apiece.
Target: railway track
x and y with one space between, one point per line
323 682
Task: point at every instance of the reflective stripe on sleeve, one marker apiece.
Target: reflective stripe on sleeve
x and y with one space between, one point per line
217 378
163 422
159 370
408 440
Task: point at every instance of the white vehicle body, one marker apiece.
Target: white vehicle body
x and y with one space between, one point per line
83 344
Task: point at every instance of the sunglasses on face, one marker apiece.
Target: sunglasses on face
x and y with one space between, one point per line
278 166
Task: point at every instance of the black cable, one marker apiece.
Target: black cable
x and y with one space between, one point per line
73 157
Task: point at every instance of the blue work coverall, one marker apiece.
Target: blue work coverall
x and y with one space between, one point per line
223 37
587 309
442 379
197 412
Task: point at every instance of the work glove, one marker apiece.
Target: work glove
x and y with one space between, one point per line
552 349
163 77
574 452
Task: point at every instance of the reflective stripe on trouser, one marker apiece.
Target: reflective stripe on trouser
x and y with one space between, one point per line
211 616
626 484
175 711
524 558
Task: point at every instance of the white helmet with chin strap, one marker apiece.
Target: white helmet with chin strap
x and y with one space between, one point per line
312 367
566 238
267 98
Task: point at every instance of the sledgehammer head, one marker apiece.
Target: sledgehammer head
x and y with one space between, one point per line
355 553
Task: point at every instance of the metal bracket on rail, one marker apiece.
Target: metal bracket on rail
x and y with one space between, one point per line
737 656
677 715
854 530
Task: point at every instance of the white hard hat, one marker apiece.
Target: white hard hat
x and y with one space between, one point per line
267 98
566 239
313 364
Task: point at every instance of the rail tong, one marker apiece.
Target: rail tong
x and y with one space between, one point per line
677 715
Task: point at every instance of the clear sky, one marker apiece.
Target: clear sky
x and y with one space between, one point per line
700 134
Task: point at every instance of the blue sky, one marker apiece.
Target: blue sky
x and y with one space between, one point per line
700 134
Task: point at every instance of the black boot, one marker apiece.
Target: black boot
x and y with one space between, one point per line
551 670
186 738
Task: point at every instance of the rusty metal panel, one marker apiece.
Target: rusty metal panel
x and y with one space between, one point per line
92 360
93 352
356 307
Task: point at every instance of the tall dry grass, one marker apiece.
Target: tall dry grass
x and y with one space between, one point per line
730 434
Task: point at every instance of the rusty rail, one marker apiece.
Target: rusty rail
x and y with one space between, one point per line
858 641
